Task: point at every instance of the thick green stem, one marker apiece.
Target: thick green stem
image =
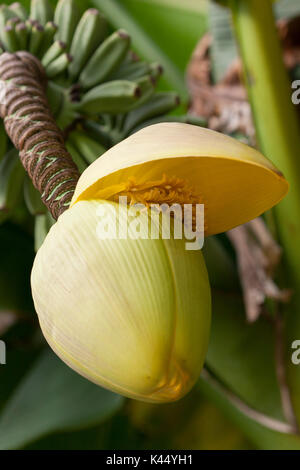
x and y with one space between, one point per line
278 135
275 116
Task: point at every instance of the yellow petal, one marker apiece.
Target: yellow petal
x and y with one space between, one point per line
235 182
132 315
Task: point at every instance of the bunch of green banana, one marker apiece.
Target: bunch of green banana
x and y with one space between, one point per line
98 89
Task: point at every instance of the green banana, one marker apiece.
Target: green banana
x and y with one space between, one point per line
147 86
87 147
19 10
99 133
11 180
33 198
132 71
89 32
156 70
57 48
5 14
43 223
113 97
161 103
49 33
187 119
13 21
41 11
195 120
22 36
36 38
105 60
66 17
59 65
76 157
9 38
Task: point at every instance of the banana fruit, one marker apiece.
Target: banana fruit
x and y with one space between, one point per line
105 60
36 38
18 10
118 96
41 11
22 36
89 33
132 71
77 158
161 103
49 33
86 147
57 48
66 17
59 65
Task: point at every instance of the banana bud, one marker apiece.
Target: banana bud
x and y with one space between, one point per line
132 313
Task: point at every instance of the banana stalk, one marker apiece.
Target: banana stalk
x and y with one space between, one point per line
278 134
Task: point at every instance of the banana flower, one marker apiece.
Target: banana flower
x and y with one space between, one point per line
133 315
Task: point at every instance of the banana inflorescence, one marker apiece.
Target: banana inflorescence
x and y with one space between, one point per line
98 89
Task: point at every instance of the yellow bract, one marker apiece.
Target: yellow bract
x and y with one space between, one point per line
235 182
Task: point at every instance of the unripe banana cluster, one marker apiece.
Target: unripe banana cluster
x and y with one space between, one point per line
98 90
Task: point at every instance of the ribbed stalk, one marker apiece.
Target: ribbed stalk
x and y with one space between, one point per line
30 125
278 135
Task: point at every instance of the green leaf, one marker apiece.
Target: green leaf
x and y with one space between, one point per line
178 25
242 355
52 397
16 255
19 360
